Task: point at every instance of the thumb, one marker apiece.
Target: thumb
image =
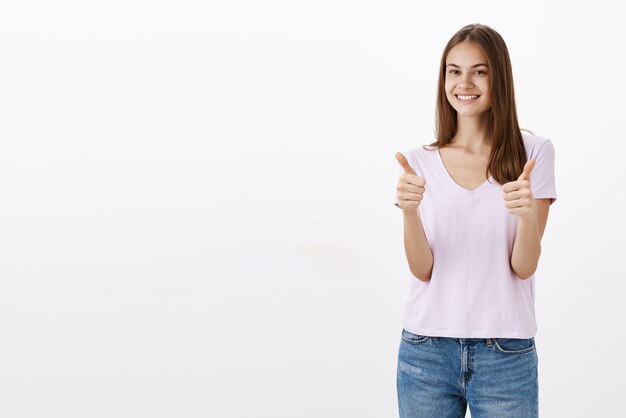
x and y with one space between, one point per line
528 167
404 163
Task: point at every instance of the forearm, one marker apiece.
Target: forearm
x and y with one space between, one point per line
418 253
526 249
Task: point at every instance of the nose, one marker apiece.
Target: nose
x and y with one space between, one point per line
466 83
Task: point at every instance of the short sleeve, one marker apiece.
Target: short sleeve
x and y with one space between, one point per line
542 179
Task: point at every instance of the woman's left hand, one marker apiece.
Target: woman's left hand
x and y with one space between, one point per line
518 197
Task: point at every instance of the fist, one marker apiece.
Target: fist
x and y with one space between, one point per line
518 196
410 186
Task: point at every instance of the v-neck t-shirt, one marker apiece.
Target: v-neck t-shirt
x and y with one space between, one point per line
473 292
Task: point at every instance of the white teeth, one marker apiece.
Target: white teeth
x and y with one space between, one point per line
467 97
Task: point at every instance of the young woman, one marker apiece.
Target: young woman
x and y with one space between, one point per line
475 205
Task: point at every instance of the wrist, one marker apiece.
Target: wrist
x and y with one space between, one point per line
528 224
530 218
411 213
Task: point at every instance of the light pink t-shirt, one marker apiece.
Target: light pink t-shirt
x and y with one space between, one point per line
473 292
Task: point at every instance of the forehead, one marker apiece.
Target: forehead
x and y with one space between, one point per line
466 54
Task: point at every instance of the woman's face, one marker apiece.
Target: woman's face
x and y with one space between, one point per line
468 74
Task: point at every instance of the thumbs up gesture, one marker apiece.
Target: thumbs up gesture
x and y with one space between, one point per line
518 197
410 186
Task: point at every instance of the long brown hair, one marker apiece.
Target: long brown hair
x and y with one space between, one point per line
508 154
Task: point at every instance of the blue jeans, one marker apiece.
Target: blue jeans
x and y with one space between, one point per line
439 377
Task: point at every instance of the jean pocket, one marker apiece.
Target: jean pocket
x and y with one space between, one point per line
515 345
410 338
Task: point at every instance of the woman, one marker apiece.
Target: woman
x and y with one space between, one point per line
475 205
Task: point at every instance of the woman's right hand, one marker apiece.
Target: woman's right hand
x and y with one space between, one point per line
410 186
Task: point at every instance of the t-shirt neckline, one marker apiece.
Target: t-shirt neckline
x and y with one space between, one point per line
474 192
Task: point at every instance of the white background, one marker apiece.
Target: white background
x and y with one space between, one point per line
196 213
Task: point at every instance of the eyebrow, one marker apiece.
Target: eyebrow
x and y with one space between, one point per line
473 66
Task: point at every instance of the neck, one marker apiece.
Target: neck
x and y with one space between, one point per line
471 133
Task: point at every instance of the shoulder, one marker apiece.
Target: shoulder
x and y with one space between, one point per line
542 177
537 145
420 152
421 158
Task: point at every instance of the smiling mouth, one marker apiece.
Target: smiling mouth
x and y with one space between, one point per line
466 98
